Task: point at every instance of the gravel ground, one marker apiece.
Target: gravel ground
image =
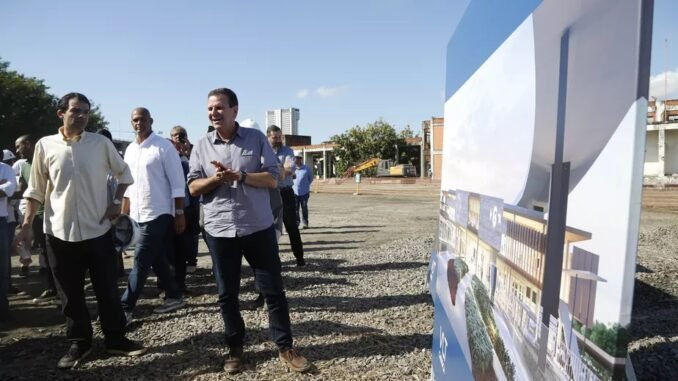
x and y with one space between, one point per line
654 326
359 309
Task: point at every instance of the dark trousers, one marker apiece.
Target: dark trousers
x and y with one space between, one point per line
290 220
39 240
192 213
151 251
4 266
261 252
183 248
302 202
10 228
69 261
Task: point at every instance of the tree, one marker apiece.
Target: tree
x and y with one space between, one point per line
406 133
27 108
378 139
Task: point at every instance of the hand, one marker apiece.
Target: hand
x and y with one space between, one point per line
112 213
24 237
179 223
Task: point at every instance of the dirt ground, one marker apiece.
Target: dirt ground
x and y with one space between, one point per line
384 213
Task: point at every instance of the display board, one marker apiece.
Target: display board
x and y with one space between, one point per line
545 115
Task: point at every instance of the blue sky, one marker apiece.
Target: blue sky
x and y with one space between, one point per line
341 63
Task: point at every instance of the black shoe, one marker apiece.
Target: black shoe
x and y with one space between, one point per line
301 262
124 347
75 354
24 271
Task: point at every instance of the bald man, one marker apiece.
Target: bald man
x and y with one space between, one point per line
156 202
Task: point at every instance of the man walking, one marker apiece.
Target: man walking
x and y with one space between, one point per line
232 167
302 190
156 202
285 157
68 176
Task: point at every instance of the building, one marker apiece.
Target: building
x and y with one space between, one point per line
285 118
432 131
661 143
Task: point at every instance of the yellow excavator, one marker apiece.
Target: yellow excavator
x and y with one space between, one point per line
385 168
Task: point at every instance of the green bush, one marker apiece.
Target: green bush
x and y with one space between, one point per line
484 303
612 339
478 340
485 307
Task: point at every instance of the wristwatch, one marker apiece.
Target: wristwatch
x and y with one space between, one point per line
116 202
179 212
243 176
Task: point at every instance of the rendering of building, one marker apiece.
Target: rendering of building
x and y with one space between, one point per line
504 246
285 118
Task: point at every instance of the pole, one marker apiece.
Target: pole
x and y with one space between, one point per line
574 307
560 180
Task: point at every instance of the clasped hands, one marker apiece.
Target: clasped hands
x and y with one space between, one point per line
225 175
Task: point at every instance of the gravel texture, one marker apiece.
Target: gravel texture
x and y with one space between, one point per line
359 309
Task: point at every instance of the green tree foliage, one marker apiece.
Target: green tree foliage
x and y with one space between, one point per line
479 341
27 108
378 139
406 133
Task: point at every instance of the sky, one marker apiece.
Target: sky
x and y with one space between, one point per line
341 63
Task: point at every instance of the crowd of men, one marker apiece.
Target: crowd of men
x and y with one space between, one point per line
235 186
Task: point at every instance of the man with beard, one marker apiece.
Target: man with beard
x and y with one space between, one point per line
68 176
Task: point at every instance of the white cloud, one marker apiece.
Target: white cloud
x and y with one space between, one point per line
664 85
331 91
302 93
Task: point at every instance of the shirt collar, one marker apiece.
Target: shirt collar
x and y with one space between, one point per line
216 140
73 139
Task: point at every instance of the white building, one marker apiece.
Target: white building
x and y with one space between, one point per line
285 118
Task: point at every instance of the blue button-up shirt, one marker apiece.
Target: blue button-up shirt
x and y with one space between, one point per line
285 153
234 210
303 180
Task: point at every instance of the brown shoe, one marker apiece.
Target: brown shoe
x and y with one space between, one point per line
233 363
293 360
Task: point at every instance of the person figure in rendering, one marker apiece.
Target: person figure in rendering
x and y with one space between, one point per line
285 157
156 202
232 168
302 190
68 176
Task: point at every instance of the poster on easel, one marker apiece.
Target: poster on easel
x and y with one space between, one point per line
532 273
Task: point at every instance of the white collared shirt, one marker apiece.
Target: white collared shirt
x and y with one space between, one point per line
68 176
8 186
158 178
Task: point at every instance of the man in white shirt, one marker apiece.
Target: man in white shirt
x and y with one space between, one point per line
68 176
156 202
7 187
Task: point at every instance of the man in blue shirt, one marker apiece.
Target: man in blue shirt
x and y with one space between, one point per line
285 157
302 189
232 169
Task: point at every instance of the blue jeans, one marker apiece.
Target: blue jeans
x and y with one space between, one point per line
69 261
4 266
261 251
151 251
302 201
